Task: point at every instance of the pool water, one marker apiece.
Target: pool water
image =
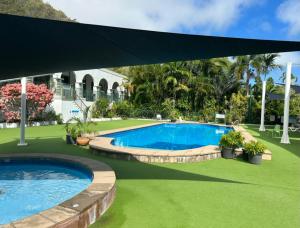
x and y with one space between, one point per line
170 136
31 186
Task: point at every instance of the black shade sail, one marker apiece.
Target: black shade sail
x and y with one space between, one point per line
31 46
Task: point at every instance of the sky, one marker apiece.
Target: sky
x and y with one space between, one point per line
262 19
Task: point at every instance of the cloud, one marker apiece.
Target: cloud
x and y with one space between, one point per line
162 15
284 58
288 12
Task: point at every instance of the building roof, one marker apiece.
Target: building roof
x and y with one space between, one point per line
31 46
274 96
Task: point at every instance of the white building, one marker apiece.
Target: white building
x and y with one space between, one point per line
75 91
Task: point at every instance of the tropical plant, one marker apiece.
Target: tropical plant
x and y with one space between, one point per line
268 63
75 127
238 107
100 108
295 105
167 108
209 109
233 139
245 66
123 109
254 148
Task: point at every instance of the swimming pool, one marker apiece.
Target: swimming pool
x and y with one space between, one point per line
171 136
29 186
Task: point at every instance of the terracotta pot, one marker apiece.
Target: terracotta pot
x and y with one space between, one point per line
82 141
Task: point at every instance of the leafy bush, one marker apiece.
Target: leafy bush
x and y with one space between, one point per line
78 128
295 105
174 115
123 109
233 139
238 107
167 108
254 148
209 109
101 108
38 98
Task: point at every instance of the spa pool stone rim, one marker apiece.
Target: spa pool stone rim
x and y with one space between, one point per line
81 210
103 146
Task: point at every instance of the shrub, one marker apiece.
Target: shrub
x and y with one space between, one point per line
78 128
238 107
254 148
209 109
233 139
38 98
174 115
123 109
167 108
100 109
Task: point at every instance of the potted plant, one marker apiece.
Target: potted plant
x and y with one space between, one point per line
84 128
76 129
229 142
254 150
70 132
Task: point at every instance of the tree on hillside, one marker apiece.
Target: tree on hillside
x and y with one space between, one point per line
31 8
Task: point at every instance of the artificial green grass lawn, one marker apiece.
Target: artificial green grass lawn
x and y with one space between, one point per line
217 193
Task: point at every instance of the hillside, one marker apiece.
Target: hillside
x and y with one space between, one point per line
32 8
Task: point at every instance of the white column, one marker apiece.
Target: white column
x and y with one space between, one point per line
95 92
23 113
263 102
285 136
78 88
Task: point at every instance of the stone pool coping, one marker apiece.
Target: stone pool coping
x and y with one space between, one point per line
103 146
82 209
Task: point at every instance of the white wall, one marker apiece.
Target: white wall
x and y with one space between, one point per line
68 109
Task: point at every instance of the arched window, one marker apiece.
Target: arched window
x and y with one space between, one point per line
87 86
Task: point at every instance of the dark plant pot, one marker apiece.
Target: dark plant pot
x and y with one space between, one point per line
227 153
255 159
69 140
173 121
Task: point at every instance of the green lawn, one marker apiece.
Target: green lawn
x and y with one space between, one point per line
217 193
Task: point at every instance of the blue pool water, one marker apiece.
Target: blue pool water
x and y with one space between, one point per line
170 136
30 186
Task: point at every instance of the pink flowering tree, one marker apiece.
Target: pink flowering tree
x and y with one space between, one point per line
38 97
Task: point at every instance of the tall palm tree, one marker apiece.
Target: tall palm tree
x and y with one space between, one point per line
268 63
244 66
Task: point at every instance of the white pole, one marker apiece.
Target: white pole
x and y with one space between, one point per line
285 136
23 112
263 101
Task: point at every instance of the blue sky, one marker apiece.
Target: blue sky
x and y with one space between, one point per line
263 19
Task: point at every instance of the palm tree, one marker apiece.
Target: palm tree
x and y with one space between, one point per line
268 63
294 78
245 65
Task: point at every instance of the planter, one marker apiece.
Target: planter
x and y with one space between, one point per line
173 121
82 141
227 153
255 159
69 140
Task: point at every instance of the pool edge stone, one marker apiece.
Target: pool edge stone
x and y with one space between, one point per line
89 204
103 146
